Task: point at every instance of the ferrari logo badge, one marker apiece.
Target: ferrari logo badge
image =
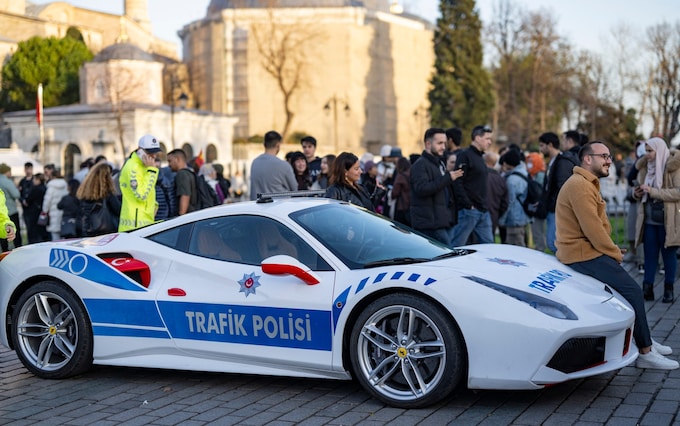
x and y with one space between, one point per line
249 283
506 262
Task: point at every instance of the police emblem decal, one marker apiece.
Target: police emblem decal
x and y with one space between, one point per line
249 283
133 184
506 262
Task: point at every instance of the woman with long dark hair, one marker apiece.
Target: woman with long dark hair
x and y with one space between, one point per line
298 162
401 192
322 181
345 186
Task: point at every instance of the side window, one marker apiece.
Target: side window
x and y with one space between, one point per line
175 238
273 238
249 240
220 239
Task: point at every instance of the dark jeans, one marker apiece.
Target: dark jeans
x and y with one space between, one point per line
17 239
607 270
655 237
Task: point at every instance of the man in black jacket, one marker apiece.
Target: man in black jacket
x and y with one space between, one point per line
560 166
431 194
470 191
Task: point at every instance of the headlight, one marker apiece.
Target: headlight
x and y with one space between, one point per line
541 304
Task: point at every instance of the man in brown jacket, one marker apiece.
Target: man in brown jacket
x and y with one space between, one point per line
584 243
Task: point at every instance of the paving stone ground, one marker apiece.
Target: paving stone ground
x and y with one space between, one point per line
131 396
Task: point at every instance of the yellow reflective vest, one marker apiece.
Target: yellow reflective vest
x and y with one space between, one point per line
138 188
4 217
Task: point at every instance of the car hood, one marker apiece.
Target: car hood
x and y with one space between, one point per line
526 270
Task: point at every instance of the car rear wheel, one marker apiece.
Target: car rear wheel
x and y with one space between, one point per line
406 351
51 331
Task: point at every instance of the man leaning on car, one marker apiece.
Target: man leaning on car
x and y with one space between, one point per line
584 243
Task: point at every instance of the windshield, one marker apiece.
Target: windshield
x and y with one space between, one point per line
363 239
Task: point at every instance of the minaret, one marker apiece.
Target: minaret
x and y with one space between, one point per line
138 11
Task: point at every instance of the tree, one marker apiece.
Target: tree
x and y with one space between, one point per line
461 93
51 61
286 50
531 72
664 79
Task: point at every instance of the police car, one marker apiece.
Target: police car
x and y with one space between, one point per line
310 287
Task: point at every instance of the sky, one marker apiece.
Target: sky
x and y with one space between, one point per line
584 22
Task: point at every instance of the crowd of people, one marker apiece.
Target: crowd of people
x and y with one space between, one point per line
100 199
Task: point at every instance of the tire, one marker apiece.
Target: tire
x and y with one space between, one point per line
51 331
406 351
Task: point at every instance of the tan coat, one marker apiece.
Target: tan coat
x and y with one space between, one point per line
669 193
583 228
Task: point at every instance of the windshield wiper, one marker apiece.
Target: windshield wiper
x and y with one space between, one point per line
452 253
396 261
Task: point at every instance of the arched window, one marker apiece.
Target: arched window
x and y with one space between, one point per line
72 158
163 155
210 153
188 150
99 89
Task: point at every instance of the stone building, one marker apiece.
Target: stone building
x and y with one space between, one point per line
121 99
360 73
21 20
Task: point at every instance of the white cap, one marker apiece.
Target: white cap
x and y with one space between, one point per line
385 151
149 143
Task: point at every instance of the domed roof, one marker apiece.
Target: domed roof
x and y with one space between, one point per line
123 51
217 5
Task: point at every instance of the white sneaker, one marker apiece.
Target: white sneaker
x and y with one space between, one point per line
654 360
661 349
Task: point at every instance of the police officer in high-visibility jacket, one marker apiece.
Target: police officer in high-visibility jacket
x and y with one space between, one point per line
138 185
7 228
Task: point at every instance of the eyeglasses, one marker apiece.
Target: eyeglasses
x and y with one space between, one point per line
605 157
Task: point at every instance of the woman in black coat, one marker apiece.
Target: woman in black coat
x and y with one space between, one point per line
70 205
34 201
345 186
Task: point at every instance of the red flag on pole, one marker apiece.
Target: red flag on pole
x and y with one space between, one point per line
199 159
39 105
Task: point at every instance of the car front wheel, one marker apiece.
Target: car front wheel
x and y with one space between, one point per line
51 331
406 351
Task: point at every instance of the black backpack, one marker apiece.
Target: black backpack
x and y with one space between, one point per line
205 195
533 205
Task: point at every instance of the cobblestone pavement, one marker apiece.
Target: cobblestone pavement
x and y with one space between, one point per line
130 396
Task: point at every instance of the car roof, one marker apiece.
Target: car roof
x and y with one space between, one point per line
274 207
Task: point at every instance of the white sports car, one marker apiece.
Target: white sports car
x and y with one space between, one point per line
314 288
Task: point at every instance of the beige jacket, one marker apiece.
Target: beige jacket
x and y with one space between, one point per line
583 228
669 193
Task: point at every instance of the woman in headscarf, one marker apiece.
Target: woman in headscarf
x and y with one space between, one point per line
345 186
658 218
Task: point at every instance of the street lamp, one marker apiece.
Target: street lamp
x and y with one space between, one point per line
183 98
332 104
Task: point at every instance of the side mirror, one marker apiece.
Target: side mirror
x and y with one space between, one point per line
286 265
